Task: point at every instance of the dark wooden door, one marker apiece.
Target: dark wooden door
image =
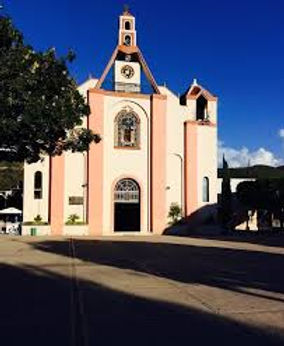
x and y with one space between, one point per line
127 217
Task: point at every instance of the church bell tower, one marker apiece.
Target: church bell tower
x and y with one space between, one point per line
127 71
127 63
127 32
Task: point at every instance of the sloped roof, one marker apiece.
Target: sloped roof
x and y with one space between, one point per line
127 13
141 60
196 90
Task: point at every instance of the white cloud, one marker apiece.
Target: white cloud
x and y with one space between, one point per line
242 157
281 133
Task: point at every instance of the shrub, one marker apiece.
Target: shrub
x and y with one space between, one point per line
73 219
38 220
174 213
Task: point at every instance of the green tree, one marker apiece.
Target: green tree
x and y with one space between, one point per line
247 194
263 194
226 196
11 175
41 109
259 194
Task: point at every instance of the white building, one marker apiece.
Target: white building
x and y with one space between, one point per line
156 149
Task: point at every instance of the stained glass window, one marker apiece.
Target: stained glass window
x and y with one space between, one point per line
127 130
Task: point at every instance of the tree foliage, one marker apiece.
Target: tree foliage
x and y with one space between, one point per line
225 212
265 194
41 110
11 175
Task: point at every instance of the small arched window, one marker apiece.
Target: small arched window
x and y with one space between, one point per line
201 108
127 40
205 189
38 185
127 130
127 26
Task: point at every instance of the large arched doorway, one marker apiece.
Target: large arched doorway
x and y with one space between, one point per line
127 206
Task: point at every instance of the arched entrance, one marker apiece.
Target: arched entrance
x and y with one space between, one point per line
127 206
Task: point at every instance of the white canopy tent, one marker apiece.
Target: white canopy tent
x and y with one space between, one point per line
11 211
10 222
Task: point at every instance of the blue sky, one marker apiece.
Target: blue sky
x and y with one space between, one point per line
235 49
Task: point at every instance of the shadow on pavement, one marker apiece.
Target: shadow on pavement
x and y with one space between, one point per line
36 310
268 238
231 269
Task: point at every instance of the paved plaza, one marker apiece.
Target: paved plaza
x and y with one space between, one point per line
141 291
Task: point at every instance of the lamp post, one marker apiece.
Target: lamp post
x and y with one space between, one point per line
85 187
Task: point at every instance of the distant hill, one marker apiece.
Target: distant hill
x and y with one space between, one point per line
256 172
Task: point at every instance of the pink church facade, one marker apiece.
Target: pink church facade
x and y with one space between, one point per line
157 149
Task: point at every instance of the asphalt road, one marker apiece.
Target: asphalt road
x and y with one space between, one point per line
141 291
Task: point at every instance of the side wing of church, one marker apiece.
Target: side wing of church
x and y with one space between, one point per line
157 149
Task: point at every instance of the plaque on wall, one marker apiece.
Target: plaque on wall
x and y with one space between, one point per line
76 200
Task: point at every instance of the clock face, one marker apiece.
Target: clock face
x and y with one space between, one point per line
127 71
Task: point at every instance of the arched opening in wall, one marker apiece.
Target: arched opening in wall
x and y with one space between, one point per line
127 40
38 185
127 206
205 189
127 25
201 108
